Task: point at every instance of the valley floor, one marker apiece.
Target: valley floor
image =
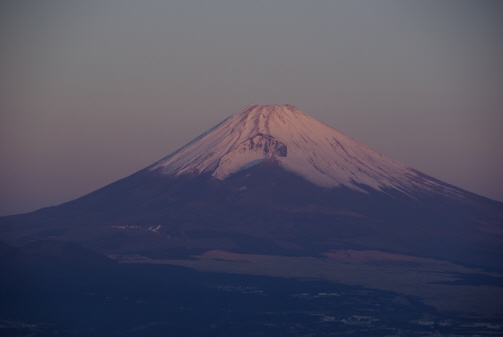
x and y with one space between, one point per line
448 287
344 293
160 300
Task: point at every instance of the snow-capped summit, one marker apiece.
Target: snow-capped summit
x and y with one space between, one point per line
299 143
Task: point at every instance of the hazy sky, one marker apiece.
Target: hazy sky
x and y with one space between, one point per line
92 91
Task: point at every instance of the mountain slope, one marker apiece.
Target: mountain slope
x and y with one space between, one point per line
272 180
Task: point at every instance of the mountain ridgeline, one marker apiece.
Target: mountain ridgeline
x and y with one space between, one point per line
272 180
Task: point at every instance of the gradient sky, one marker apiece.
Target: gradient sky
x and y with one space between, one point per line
92 91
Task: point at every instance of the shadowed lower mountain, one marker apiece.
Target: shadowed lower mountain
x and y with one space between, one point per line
272 180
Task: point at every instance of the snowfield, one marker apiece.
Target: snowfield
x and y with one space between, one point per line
300 144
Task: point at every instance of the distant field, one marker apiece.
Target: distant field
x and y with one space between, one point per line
55 298
446 286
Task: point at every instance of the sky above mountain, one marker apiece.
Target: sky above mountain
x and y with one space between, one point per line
93 91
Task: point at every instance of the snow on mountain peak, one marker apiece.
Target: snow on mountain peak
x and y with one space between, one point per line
298 142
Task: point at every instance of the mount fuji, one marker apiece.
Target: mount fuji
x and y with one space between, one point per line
272 180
